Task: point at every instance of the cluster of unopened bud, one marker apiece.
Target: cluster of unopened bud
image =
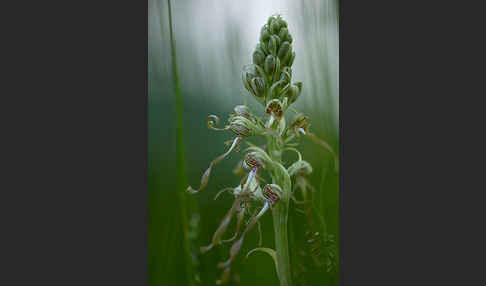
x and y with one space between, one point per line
270 75
275 45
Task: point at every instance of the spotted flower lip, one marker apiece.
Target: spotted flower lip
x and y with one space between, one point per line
245 127
300 124
253 160
272 192
240 129
275 107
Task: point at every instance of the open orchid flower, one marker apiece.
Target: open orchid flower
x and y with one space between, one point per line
272 194
243 124
301 126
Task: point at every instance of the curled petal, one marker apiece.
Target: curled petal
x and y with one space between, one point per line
235 248
260 179
224 277
326 146
296 151
260 236
238 170
213 122
207 173
222 227
222 191
241 215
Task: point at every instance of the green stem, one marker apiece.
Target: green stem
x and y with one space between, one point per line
280 219
280 215
180 167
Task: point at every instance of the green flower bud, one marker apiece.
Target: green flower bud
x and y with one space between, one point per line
258 86
264 34
261 47
289 38
282 22
278 40
290 60
275 27
283 33
269 65
273 44
284 50
270 20
285 76
294 91
258 57
300 167
248 74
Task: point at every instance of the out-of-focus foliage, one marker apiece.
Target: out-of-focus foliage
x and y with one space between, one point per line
214 39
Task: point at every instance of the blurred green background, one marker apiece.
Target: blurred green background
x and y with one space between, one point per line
213 40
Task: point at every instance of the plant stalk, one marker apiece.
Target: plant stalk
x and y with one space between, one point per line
280 219
280 213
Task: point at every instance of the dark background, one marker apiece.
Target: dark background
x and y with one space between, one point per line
74 143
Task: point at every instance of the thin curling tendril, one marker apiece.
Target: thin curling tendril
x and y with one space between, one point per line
212 122
235 248
326 146
296 151
222 227
239 223
207 173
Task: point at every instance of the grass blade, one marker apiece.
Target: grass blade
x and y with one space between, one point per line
180 164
